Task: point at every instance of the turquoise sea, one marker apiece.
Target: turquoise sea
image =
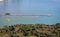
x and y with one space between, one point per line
30 7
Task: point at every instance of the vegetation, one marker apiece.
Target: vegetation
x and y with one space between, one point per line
31 30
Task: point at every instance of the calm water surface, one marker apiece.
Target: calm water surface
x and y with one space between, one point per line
30 7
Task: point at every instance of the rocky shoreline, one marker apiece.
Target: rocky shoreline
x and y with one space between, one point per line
31 30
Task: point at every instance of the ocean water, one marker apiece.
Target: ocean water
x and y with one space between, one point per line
30 7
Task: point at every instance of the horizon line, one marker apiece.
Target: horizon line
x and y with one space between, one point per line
25 14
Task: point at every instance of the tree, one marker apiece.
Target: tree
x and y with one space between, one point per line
57 23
